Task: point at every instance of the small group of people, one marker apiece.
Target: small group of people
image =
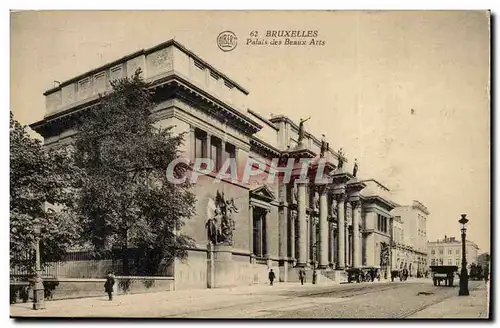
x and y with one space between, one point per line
302 276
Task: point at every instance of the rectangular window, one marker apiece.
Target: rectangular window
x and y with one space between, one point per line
440 251
257 235
200 145
457 262
449 261
259 232
449 252
229 152
457 251
216 152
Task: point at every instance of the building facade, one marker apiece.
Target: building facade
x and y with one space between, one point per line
448 251
377 225
279 225
410 231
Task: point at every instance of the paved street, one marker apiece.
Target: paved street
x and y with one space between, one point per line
414 299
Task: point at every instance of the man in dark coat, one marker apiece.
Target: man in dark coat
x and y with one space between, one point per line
109 284
302 275
271 277
486 273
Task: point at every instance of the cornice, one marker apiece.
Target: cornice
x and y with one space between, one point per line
168 43
264 147
387 204
183 89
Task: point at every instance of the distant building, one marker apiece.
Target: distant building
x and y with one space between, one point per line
448 251
410 231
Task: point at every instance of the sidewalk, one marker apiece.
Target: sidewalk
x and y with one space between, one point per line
160 304
460 307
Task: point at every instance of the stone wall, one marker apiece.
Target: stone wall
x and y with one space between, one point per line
68 288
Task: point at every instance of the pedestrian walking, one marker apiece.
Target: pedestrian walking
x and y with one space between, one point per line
271 277
109 285
486 273
302 275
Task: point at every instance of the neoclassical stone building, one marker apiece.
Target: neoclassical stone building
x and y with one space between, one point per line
410 243
283 226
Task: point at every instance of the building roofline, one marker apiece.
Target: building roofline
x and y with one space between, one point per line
378 183
146 52
260 117
279 118
377 198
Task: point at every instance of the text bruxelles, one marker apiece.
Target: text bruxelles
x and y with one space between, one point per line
291 34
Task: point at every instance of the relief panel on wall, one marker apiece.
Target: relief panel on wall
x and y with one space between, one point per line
160 62
116 72
84 88
53 101
134 64
68 94
100 83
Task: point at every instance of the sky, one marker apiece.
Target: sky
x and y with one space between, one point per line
406 93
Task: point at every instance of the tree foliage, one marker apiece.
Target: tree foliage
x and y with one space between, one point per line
39 177
126 197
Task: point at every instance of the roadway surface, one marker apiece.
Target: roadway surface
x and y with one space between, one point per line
347 301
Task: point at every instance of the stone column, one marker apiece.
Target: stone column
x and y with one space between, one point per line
266 230
302 225
192 142
209 146
223 157
250 228
323 229
348 234
341 231
312 240
292 233
330 244
356 219
260 237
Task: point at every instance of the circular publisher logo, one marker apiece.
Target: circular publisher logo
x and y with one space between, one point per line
227 41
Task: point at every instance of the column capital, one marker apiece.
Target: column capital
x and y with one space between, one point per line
340 197
355 203
321 188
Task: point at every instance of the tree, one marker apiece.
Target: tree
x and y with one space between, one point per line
39 177
126 196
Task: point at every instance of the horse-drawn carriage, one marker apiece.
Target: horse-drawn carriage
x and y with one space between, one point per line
365 274
444 273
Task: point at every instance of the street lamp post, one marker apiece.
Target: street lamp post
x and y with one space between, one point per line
38 290
464 279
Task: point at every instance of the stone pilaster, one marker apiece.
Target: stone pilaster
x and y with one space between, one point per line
323 228
302 225
356 219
